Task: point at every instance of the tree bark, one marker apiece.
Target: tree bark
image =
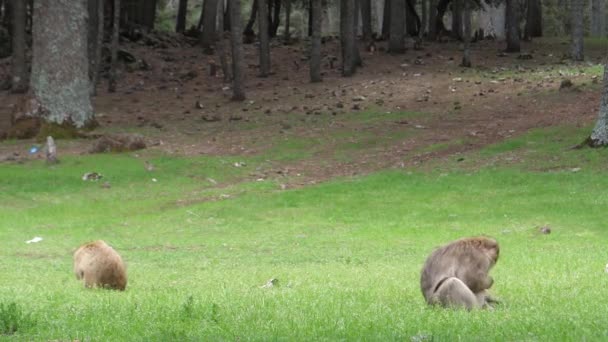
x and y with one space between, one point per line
182 13
60 79
396 42
412 20
19 79
466 18
534 19
386 19
457 19
221 50
249 34
238 94
96 31
424 20
432 19
264 39
114 47
577 30
599 135
315 46
208 34
366 20
598 11
287 36
347 34
276 18
512 23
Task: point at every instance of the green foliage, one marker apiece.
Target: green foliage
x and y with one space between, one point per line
347 253
13 319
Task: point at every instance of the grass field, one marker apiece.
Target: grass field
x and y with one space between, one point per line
347 254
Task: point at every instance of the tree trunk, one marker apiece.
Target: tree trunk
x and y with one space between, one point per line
386 19
249 34
221 50
276 18
599 135
396 42
356 54
366 20
534 19
412 21
424 12
208 35
18 63
432 19
264 39
466 18
577 29
60 79
227 20
597 18
96 30
347 34
182 13
512 23
310 18
114 47
315 46
442 7
238 94
457 19
287 36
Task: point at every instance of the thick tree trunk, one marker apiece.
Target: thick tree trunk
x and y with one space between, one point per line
208 34
227 20
221 50
534 19
424 20
238 94
60 79
276 18
287 36
386 19
96 31
466 18
315 46
347 34
182 13
114 47
442 7
264 39
598 11
366 20
248 32
577 29
457 19
412 20
396 42
19 79
432 19
512 23
599 135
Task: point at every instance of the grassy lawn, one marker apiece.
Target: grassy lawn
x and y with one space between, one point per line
347 254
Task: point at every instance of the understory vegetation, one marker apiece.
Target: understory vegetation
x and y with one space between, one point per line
201 240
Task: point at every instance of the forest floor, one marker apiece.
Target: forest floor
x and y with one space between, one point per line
396 111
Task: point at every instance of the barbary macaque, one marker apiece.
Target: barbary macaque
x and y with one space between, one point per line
456 275
99 265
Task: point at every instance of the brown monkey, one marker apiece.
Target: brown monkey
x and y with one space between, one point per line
100 266
456 275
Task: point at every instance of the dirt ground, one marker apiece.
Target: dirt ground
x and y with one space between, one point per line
181 109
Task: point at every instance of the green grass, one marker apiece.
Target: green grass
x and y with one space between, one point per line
347 253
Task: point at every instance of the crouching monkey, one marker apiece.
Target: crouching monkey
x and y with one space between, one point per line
100 266
456 275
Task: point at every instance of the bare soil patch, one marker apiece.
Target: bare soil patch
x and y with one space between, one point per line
181 109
